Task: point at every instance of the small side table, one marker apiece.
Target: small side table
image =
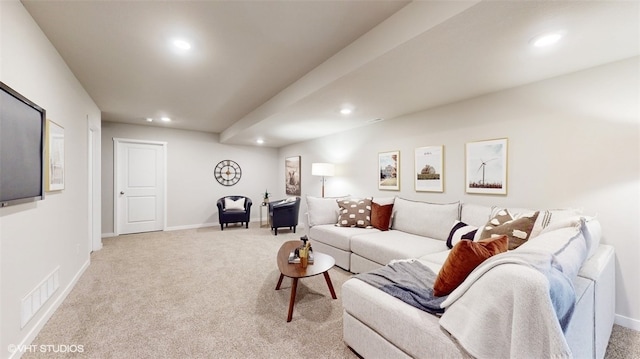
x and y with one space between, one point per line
264 207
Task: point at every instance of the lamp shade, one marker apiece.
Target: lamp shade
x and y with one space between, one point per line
322 169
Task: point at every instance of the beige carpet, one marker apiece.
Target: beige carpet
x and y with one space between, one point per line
207 294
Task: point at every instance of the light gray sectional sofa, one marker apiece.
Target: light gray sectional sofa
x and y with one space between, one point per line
377 325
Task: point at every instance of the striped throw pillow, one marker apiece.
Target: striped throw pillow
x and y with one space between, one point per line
459 231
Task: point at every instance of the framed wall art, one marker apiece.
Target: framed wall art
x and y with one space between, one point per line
54 173
389 170
429 169
292 176
486 167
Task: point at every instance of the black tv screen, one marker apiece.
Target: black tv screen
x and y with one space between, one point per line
22 131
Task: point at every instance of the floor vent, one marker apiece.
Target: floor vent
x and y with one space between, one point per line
33 301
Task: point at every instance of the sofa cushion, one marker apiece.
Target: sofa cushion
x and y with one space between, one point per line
381 216
354 213
464 258
459 231
334 236
382 247
425 219
322 210
517 229
414 332
435 260
474 214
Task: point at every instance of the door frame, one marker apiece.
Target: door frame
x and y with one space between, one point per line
95 219
117 142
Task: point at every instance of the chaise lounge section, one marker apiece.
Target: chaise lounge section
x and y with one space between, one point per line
377 324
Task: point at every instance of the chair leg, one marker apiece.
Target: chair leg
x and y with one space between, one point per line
222 226
247 224
276 231
294 229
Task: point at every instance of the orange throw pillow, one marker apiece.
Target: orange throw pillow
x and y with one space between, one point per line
381 216
463 259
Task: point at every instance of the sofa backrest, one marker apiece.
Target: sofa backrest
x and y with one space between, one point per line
433 220
322 210
475 214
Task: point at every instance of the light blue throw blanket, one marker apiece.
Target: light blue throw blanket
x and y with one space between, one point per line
522 292
409 281
561 291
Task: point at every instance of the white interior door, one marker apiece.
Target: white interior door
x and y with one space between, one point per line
140 186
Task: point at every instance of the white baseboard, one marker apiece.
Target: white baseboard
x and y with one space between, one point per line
31 335
195 226
191 226
205 225
627 322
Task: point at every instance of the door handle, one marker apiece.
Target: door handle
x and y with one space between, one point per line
121 192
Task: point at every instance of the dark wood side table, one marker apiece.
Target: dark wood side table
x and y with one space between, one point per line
321 265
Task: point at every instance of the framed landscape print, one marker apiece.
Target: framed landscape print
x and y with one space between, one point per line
54 173
428 170
486 167
389 170
292 176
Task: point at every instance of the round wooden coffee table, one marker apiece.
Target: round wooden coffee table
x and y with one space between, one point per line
321 264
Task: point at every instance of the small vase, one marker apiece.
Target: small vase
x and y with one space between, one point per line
304 257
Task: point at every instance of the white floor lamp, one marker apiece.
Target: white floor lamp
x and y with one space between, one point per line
323 170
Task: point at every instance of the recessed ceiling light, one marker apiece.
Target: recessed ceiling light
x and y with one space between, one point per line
259 141
547 39
149 119
346 109
165 119
181 45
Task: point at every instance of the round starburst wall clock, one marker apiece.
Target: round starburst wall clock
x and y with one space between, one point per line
228 172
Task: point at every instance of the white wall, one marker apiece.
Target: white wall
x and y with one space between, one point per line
574 141
36 238
192 190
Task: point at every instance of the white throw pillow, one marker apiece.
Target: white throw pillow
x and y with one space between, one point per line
595 234
231 204
549 217
322 210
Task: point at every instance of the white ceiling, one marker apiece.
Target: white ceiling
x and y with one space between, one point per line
281 70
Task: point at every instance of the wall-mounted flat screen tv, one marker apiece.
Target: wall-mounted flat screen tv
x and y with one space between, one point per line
22 134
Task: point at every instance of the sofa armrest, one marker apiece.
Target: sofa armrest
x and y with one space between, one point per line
594 267
281 206
306 220
600 268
